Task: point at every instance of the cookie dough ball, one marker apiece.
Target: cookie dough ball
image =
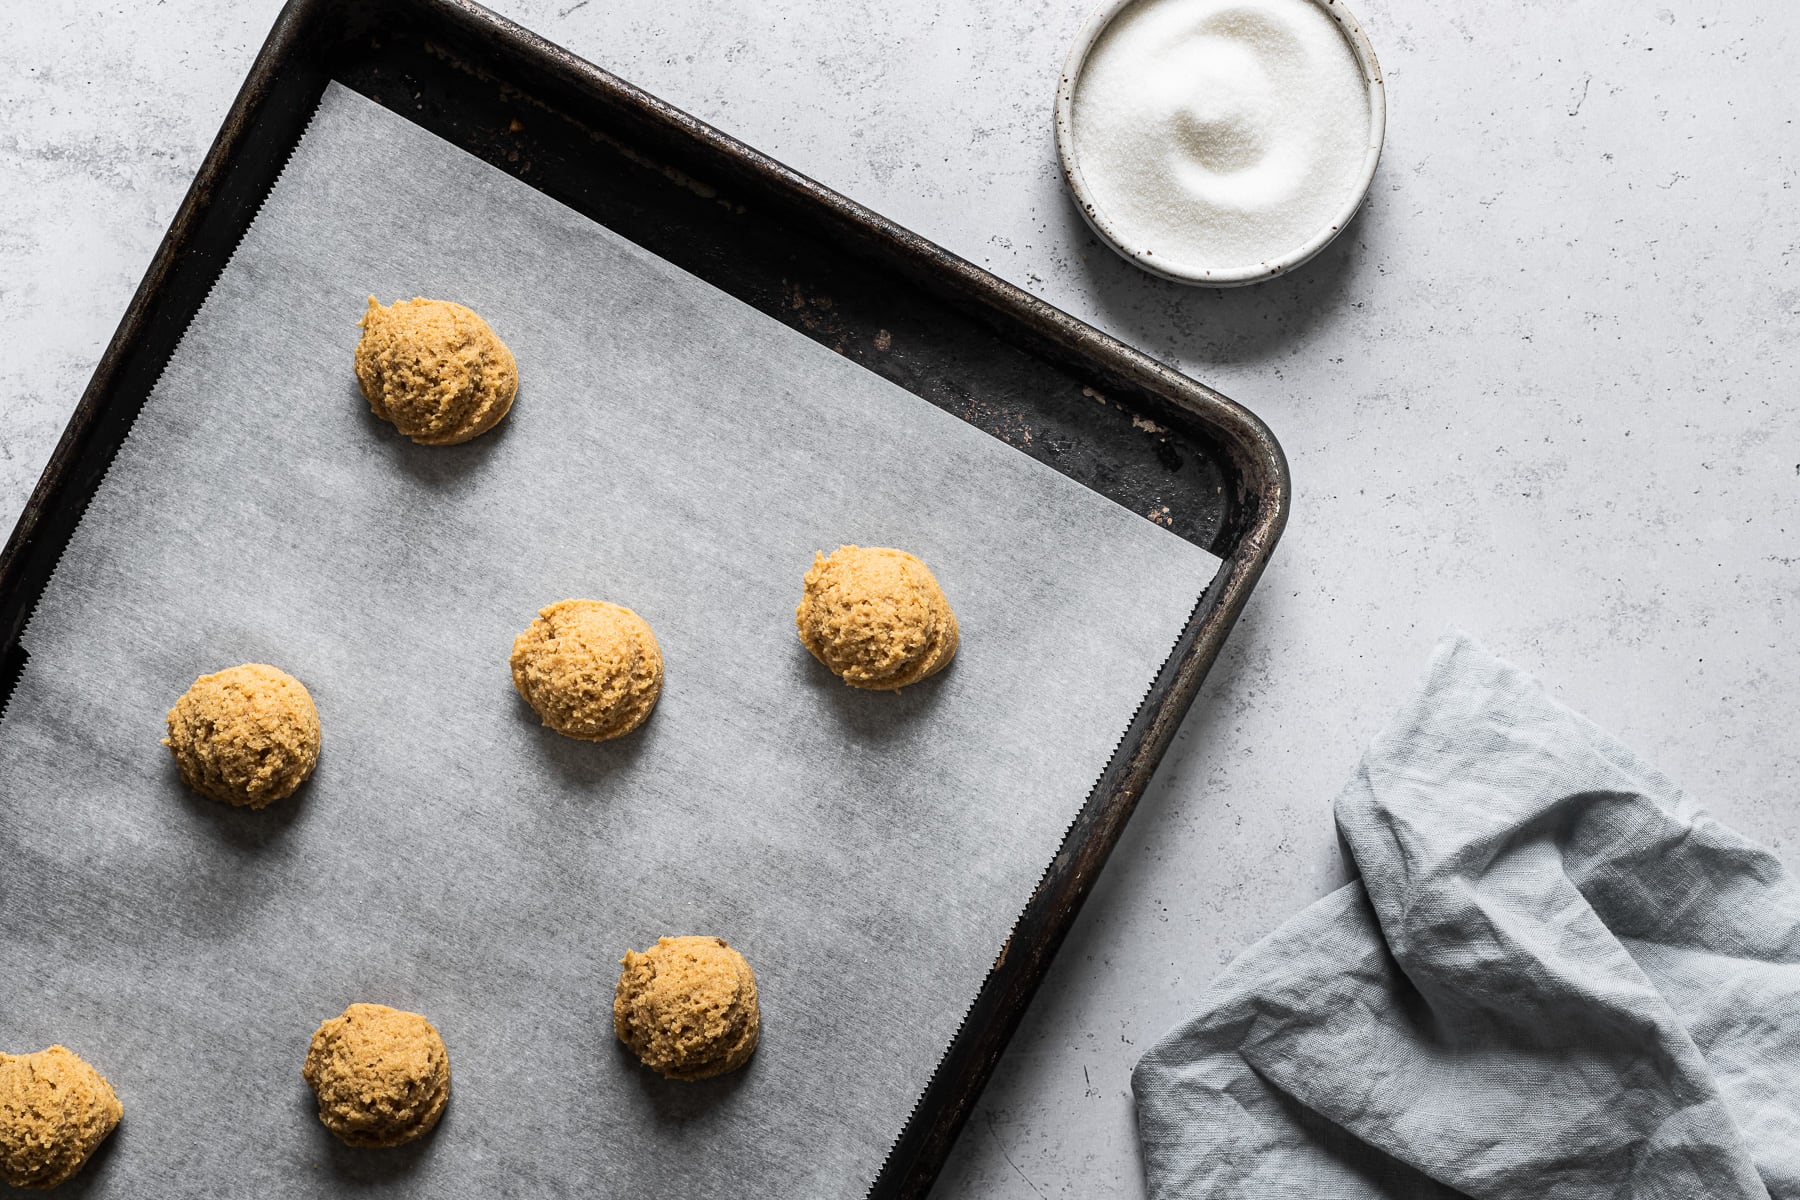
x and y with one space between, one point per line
687 1007
435 370
876 617
248 735
55 1110
590 669
381 1076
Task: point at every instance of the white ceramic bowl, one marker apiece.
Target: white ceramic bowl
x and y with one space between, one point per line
1232 276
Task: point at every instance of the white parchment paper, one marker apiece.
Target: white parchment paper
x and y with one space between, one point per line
672 450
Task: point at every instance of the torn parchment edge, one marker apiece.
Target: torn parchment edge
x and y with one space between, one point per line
1062 845
150 397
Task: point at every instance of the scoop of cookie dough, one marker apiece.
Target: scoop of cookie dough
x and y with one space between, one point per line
382 1076
876 617
55 1110
434 369
248 735
687 1007
590 669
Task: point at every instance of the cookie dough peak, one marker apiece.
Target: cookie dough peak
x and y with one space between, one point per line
381 1075
687 1007
55 1110
434 369
589 669
876 617
247 735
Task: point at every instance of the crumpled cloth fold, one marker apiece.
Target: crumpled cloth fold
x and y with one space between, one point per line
1556 979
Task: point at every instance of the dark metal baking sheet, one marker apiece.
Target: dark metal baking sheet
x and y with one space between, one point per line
1027 374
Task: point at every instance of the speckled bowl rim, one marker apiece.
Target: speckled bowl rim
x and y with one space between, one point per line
1222 277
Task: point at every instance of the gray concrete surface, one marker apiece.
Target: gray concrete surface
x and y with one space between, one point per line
1544 389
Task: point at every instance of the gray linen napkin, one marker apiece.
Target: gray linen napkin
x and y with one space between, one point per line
1557 979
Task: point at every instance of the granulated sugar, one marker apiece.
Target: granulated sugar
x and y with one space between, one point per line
1220 134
